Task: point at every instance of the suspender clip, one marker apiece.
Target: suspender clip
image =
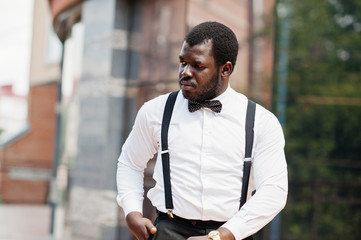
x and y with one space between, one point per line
170 213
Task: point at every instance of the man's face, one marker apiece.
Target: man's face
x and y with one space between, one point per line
199 76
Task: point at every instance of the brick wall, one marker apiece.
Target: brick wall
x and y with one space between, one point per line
26 163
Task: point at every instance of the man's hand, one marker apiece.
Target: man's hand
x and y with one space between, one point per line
140 226
225 235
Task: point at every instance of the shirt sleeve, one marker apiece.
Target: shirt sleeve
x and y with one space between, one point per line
271 180
138 149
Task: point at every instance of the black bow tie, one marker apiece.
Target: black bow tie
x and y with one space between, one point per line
215 105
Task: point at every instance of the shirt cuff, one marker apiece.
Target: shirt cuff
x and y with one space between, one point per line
130 204
237 227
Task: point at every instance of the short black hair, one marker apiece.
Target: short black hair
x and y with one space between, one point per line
224 41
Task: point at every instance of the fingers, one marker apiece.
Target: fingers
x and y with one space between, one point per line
151 228
148 229
140 226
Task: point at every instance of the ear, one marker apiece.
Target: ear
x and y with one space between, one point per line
226 69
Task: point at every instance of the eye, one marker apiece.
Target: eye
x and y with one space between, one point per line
183 63
198 67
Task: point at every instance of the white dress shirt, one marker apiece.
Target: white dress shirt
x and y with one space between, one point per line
206 163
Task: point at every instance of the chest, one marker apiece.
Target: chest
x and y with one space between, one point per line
205 137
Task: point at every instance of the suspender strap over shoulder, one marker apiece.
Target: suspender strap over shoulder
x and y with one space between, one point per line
165 154
251 110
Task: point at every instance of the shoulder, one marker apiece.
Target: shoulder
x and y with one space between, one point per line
264 115
266 123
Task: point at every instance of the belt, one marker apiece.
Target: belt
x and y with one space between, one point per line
190 222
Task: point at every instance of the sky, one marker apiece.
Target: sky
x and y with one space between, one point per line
15 43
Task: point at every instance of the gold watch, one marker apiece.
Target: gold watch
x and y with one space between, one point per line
214 235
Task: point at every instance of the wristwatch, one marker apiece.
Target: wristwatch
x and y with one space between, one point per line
214 235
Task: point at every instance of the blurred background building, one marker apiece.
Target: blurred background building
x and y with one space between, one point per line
87 66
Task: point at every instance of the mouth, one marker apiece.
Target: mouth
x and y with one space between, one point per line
186 85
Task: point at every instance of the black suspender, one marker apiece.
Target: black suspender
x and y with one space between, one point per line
247 162
251 108
165 154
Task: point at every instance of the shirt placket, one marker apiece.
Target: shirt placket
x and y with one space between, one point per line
205 159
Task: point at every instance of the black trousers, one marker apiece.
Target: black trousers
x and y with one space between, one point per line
180 229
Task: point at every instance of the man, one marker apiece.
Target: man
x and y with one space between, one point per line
206 150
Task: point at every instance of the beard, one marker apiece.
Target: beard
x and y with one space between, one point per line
207 92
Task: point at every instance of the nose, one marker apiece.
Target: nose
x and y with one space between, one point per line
186 71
